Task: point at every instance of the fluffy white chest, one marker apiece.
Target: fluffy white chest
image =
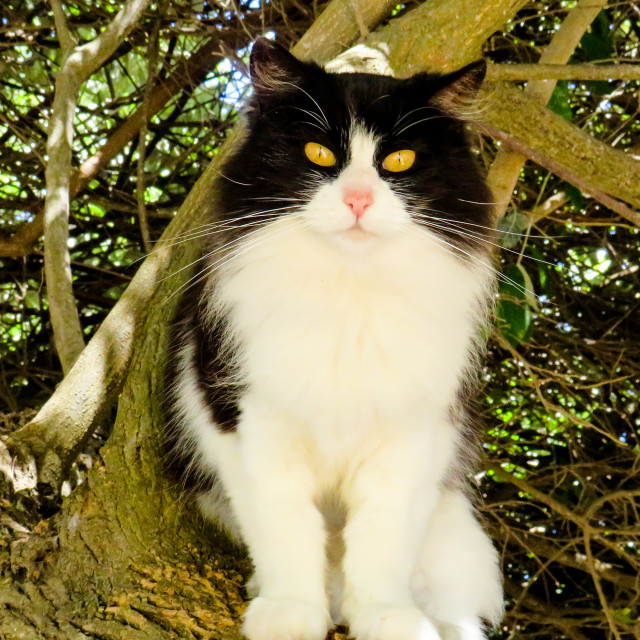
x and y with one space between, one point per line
351 337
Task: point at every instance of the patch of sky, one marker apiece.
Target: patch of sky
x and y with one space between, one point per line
604 105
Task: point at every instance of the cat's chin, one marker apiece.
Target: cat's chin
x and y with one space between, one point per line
357 239
359 234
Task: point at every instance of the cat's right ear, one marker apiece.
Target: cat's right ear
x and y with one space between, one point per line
274 71
458 90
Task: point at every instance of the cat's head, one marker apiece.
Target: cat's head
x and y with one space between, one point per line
358 157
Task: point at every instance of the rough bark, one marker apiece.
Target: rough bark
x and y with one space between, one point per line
597 164
583 183
339 26
451 34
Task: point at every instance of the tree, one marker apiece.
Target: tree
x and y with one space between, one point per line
125 556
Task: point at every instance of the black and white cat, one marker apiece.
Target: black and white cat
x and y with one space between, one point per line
320 363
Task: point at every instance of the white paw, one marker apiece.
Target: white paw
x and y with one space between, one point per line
465 630
392 623
285 619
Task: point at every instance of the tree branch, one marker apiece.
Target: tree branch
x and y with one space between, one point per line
544 549
66 40
435 37
590 164
63 311
337 28
152 57
519 72
78 64
506 167
583 183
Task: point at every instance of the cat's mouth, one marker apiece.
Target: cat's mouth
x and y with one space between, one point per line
357 237
357 231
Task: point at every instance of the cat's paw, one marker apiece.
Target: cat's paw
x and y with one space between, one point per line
465 630
392 623
285 619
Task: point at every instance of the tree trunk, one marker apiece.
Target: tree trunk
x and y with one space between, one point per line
127 557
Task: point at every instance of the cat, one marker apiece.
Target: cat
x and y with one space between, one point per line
322 355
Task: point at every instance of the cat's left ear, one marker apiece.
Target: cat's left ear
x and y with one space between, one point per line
274 70
458 89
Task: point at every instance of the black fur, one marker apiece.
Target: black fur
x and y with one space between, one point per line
212 373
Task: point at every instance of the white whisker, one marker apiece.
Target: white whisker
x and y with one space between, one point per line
476 202
324 116
406 115
413 124
315 116
242 184
221 224
446 225
229 251
472 224
499 275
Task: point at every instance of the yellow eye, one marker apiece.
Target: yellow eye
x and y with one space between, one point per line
399 160
319 154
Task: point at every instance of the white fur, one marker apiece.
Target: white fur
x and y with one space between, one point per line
353 341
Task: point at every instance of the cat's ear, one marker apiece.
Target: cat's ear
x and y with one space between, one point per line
274 70
458 89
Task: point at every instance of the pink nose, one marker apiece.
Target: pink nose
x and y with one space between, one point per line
358 200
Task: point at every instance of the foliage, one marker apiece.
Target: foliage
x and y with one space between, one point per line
560 398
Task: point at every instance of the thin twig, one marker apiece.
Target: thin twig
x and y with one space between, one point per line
521 72
152 57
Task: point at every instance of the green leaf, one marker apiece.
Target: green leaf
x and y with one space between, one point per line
511 226
32 300
624 616
515 318
574 194
559 101
543 271
514 321
597 43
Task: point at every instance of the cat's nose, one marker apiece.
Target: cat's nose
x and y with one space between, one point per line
358 200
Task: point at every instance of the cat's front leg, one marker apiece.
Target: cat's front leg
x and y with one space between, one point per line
389 503
272 492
